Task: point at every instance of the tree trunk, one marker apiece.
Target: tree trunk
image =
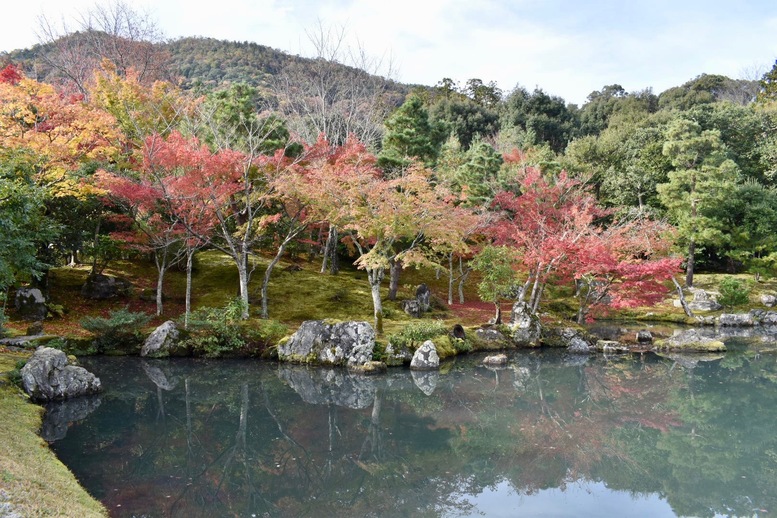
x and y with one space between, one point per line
690 265
188 311
394 273
683 303
330 252
268 272
498 315
451 279
375 277
464 274
242 272
159 283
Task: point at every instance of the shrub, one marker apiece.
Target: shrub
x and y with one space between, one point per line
216 331
416 333
733 292
120 329
15 375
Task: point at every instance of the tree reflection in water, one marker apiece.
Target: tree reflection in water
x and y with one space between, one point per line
244 438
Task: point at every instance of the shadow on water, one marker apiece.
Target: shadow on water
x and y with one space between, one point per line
550 433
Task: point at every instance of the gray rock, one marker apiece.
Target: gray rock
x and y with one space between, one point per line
30 304
318 342
424 297
101 287
524 325
426 381
495 359
60 414
568 337
769 318
425 357
163 342
329 386
691 340
47 376
737 319
370 367
644 337
703 301
412 308
769 300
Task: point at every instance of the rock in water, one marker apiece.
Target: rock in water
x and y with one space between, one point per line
495 360
691 341
318 342
524 325
426 357
47 376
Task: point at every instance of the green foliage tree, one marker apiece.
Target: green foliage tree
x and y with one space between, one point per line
547 119
701 180
495 264
464 118
768 85
410 135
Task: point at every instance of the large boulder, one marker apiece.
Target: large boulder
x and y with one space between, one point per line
30 304
48 376
690 340
490 338
412 308
425 357
101 287
319 342
163 342
524 325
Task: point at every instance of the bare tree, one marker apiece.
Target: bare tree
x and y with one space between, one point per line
342 91
114 31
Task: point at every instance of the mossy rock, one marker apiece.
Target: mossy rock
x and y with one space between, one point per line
690 341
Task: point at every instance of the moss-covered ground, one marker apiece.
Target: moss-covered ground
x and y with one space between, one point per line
33 482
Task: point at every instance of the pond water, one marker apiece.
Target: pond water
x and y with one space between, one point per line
549 435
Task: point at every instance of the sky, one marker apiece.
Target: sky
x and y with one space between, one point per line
568 48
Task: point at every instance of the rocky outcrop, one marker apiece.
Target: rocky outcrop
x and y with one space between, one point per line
30 304
524 325
101 287
163 342
690 341
329 386
425 357
319 342
423 296
48 376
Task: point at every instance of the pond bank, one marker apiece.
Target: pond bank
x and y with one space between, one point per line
33 482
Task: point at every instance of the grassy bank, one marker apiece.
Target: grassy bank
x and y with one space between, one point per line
33 482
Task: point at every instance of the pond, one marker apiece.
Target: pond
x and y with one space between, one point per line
551 434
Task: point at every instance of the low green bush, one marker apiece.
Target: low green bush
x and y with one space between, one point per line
733 292
416 333
122 329
212 332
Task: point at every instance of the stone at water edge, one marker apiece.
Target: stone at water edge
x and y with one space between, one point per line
162 342
769 300
644 337
318 342
47 376
690 341
425 357
524 325
737 320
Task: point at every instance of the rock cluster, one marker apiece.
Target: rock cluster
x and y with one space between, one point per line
316 341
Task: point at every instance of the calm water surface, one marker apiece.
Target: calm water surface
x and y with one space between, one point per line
549 435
